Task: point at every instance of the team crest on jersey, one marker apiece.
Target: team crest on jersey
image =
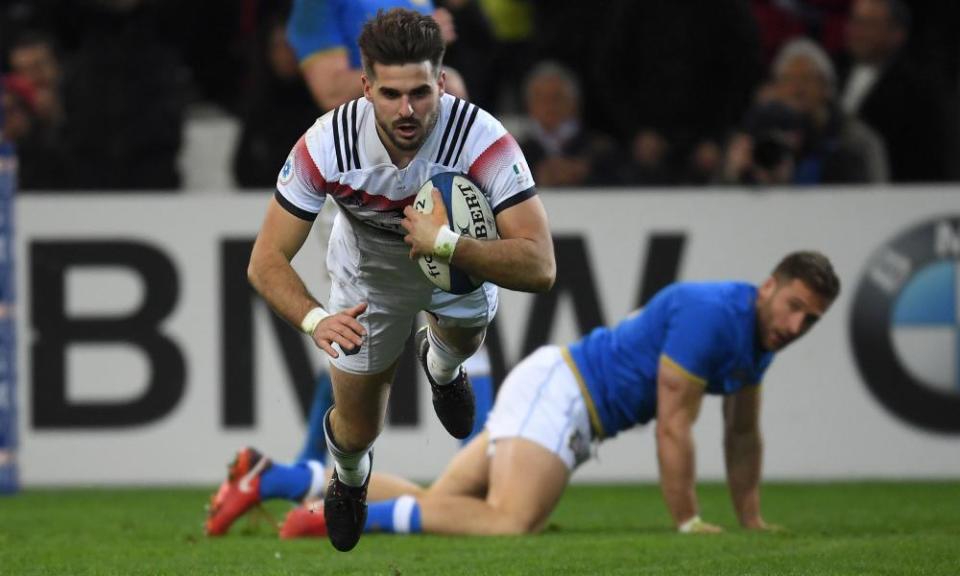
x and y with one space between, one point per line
286 173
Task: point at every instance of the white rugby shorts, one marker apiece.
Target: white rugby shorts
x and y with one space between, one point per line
541 401
368 265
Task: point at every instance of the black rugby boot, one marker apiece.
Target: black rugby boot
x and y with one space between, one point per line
345 510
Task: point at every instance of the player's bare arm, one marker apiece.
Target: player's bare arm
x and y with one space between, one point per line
521 259
743 451
330 78
280 238
678 404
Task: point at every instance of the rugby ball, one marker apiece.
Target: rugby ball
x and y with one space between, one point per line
468 213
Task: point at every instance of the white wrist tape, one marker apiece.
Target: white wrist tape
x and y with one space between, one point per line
313 317
445 244
691 525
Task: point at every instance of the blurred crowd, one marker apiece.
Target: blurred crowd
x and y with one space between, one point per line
615 93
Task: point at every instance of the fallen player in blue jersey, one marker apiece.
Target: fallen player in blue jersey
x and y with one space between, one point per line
691 339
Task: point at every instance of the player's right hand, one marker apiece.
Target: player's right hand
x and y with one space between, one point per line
342 328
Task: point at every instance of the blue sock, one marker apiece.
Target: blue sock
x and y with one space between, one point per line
315 446
400 516
288 482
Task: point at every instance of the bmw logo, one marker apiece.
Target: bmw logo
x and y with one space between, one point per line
905 325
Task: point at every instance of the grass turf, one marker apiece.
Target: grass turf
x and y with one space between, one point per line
844 528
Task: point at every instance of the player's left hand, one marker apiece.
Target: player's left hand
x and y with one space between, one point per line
421 228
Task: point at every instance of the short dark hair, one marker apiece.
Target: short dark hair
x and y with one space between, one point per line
400 36
813 269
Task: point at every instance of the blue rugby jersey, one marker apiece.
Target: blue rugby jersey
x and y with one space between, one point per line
318 25
704 329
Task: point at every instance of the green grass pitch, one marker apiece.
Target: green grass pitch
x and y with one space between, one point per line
881 528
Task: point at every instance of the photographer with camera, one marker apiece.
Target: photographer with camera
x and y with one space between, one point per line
796 133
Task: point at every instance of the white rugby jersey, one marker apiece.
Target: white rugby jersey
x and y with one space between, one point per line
341 156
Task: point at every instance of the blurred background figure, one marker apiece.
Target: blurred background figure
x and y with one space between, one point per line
889 92
836 147
561 151
17 99
42 150
279 110
34 56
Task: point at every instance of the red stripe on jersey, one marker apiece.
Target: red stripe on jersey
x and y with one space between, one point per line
351 197
307 170
498 156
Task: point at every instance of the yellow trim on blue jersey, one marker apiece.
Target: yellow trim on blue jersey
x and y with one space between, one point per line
595 422
686 373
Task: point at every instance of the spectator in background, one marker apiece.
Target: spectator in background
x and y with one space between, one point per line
123 97
796 132
281 108
17 104
34 56
42 150
888 92
836 148
559 149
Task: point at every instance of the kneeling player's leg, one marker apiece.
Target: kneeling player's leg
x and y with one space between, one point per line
526 481
540 432
468 473
395 507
